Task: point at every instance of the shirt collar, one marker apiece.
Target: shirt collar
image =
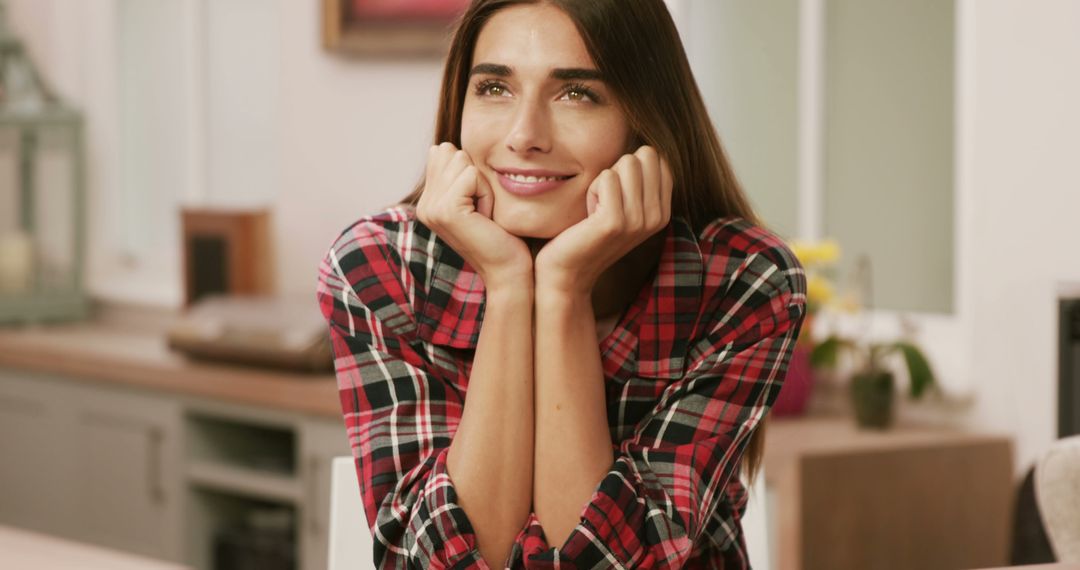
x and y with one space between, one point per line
660 322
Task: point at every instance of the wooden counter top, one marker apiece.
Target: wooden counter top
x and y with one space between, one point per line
790 439
97 352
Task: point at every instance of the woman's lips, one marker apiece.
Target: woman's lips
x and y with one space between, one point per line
524 188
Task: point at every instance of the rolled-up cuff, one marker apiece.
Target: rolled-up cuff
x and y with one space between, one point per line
444 531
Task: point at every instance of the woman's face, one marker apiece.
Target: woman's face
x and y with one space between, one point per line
539 123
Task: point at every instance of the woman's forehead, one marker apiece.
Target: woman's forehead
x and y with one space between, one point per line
532 39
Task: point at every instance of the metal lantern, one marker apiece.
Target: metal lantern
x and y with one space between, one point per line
41 194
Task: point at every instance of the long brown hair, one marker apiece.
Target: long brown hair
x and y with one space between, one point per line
637 50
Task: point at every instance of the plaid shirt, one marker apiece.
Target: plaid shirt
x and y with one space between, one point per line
691 368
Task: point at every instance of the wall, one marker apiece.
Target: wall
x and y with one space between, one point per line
354 139
1024 235
349 136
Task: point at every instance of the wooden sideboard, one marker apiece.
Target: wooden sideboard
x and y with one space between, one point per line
911 497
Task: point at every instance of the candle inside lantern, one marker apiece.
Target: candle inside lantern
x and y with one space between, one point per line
16 263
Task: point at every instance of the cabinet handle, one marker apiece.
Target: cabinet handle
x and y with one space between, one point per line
315 526
155 472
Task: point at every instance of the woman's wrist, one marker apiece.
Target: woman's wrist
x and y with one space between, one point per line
553 300
558 284
509 287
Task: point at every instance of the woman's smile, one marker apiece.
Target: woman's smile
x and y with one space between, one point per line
530 182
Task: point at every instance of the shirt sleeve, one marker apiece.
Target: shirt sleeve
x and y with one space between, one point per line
401 408
668 479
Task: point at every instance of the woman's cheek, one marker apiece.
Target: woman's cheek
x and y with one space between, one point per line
599 143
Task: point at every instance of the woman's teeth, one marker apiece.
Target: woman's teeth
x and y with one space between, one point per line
534 179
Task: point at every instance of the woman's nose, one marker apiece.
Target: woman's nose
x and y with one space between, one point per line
530 130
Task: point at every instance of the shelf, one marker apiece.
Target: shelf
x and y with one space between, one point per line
241 445
226 528
245 482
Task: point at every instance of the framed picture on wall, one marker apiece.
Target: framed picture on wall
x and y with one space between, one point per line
390 27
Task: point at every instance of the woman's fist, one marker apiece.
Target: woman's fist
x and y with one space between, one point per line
457 204
625 205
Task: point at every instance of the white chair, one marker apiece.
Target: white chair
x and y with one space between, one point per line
1057 491
755 525
351 546
351 543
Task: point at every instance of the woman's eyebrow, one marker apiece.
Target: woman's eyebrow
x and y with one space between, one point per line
576 73
491 69
564 74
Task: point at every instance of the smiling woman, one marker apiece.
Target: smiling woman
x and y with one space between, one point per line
538 108
576 192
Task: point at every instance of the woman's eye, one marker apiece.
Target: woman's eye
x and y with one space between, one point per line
491 88
581 94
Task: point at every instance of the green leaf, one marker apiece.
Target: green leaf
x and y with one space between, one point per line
824 354
919 369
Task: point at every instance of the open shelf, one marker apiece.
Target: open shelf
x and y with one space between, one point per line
244 482
221 441
238 533
245 493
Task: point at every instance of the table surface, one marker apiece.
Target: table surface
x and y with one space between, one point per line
21 548
1060 566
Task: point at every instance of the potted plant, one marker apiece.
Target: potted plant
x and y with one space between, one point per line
873 386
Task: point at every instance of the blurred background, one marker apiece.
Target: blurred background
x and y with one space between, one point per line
172 171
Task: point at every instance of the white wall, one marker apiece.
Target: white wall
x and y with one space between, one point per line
354 139
352 136
349 135
1024 235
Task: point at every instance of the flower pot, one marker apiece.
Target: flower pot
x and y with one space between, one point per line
873 396
798 384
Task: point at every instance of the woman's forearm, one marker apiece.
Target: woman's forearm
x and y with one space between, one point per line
573 442
491 457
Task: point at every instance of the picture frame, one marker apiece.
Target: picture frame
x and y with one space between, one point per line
390 28
225 251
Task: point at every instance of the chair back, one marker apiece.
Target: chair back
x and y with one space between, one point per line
1057 491
350 542
755 524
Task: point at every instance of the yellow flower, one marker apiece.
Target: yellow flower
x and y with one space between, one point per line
818 290
828 251
812 253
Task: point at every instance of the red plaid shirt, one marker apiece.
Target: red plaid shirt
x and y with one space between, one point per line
691 368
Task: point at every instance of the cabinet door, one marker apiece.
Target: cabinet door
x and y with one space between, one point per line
33 475
128 487
321 441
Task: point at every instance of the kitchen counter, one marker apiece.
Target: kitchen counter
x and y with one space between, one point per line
116 351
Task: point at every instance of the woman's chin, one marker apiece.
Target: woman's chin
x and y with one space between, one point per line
531 233
526 229
531 224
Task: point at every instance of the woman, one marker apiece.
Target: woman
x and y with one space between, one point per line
559 349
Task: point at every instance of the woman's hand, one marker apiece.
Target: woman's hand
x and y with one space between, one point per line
456 204
626 204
